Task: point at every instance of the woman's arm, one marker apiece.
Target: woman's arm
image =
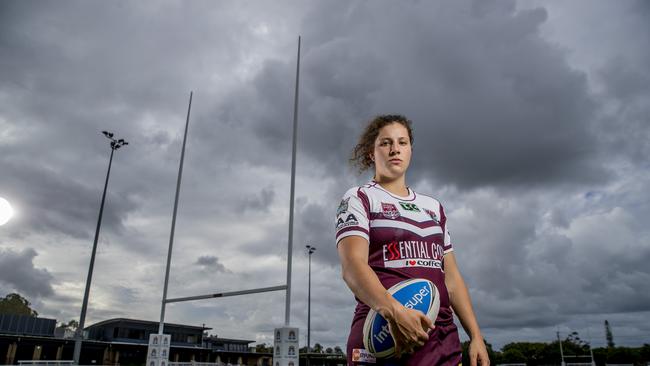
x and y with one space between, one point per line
408 327
462 306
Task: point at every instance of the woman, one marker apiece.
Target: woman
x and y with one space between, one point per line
386 233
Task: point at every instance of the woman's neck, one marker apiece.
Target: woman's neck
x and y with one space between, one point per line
394 186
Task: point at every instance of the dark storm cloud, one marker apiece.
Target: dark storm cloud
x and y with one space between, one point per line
260 202
627 85
316 228
525 271
501 109
211 263
18 272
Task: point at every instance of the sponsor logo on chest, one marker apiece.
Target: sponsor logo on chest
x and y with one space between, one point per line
409 206
412 253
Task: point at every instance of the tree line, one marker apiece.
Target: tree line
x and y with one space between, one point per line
16 304
575 350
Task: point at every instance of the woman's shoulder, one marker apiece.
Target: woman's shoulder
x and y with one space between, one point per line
427 198
362 188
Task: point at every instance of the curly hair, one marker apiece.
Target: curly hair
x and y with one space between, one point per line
366 144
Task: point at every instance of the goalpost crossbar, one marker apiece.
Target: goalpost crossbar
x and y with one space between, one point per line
226 294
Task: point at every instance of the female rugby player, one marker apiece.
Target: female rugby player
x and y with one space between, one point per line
387 233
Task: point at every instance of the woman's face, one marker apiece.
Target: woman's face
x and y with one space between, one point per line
392 153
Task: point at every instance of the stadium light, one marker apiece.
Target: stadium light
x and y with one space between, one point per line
115 144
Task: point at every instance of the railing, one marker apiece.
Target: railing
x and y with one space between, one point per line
45 362
192 363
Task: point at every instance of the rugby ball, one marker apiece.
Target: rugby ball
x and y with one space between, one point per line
417 293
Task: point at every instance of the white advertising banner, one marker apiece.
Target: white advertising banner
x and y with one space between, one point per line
158 350
285 347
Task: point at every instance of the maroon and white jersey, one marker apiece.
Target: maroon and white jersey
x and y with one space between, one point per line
407 238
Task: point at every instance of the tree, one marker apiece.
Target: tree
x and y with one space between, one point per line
338 350
609 336
573 342
262 348
318 348
72 325
16 304
329 350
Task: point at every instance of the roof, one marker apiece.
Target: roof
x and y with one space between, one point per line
146 322
217 339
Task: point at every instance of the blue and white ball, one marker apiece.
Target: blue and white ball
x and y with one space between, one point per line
417 293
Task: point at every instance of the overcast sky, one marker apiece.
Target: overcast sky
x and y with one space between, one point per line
531 126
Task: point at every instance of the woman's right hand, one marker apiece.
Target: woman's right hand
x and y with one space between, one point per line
409 328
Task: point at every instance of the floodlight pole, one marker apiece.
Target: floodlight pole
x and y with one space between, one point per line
561 351
310 250
171 235
287 308
115 144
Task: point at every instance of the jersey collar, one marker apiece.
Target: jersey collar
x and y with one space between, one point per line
410 197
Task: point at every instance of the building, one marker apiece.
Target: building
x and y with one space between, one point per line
24 337
118 341
122 341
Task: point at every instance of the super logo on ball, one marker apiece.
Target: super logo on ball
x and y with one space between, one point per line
418 294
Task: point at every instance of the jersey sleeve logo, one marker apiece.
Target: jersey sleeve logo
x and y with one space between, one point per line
389 210
351 220
343 206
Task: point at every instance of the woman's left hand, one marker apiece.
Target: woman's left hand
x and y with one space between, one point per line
478 353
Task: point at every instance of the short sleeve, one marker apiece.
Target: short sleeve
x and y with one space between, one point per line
352 215
447 247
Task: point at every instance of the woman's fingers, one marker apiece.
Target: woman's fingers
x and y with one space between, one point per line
427 323
409 330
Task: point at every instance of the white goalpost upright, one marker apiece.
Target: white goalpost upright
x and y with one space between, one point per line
286 347
285 340
576 360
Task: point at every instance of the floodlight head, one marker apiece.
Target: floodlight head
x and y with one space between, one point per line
120 141
125 143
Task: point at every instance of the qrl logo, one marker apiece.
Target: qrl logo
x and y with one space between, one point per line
389 210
